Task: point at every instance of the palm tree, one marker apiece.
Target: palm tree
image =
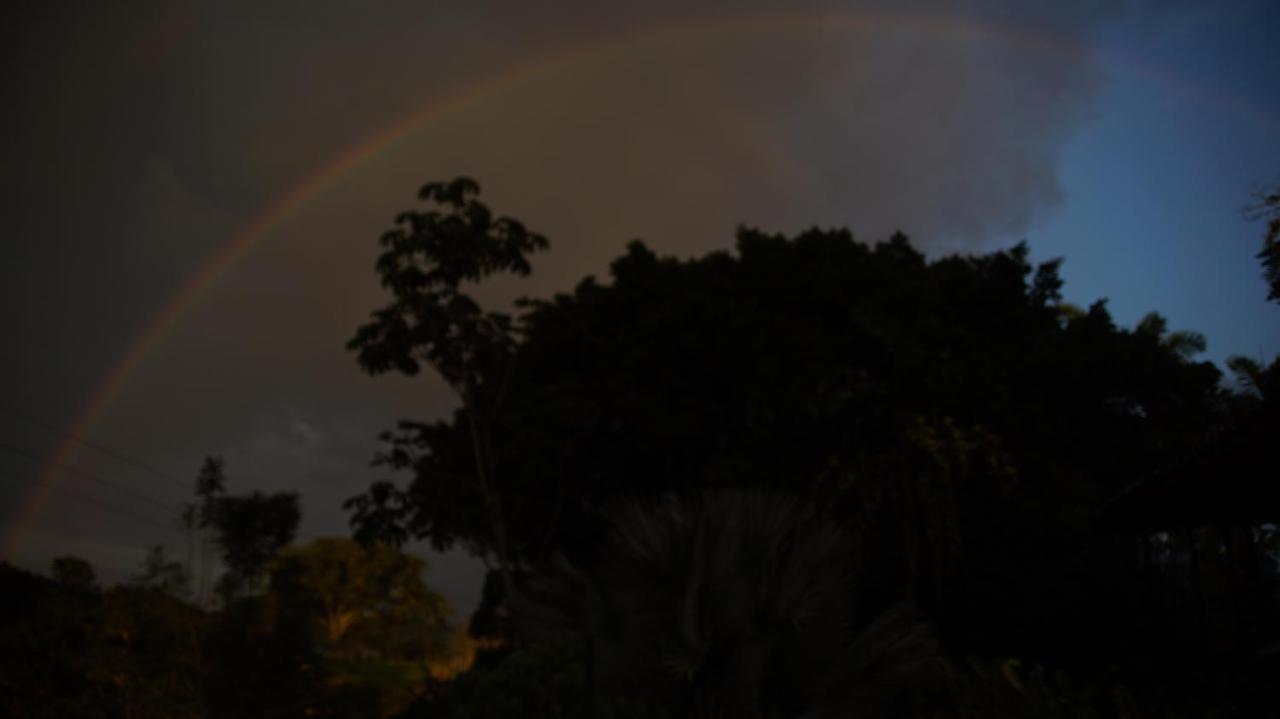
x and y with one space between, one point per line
729 603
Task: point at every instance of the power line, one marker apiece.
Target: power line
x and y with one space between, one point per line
99 503
85 441
33 457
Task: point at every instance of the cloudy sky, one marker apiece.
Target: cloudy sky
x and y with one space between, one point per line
143 140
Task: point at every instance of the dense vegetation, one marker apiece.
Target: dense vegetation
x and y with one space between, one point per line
809 477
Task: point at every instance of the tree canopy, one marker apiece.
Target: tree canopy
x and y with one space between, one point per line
364 598
940 407
796 360
249 529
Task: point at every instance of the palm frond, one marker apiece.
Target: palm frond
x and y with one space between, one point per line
734 599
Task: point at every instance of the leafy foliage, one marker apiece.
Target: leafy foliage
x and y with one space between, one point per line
366 600
124 651
729 604
647 458
539 682
425 261
251 530
963 423
1266 208
262 662
341 631
150 655
1008 690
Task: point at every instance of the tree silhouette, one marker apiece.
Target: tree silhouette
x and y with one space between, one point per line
941 408
964 428
251 529
199 515
248 529
1262 381
425 261
1266 208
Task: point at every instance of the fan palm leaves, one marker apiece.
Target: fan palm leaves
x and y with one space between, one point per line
730 603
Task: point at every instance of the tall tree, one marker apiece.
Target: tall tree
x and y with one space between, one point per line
251 530
425 261
198 516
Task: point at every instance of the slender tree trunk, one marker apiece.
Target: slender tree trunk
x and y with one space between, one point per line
492 500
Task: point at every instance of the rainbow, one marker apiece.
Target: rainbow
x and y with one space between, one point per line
278 212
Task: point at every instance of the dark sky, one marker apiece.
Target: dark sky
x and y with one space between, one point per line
140 139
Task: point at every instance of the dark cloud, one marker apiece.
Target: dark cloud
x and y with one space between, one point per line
141 139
